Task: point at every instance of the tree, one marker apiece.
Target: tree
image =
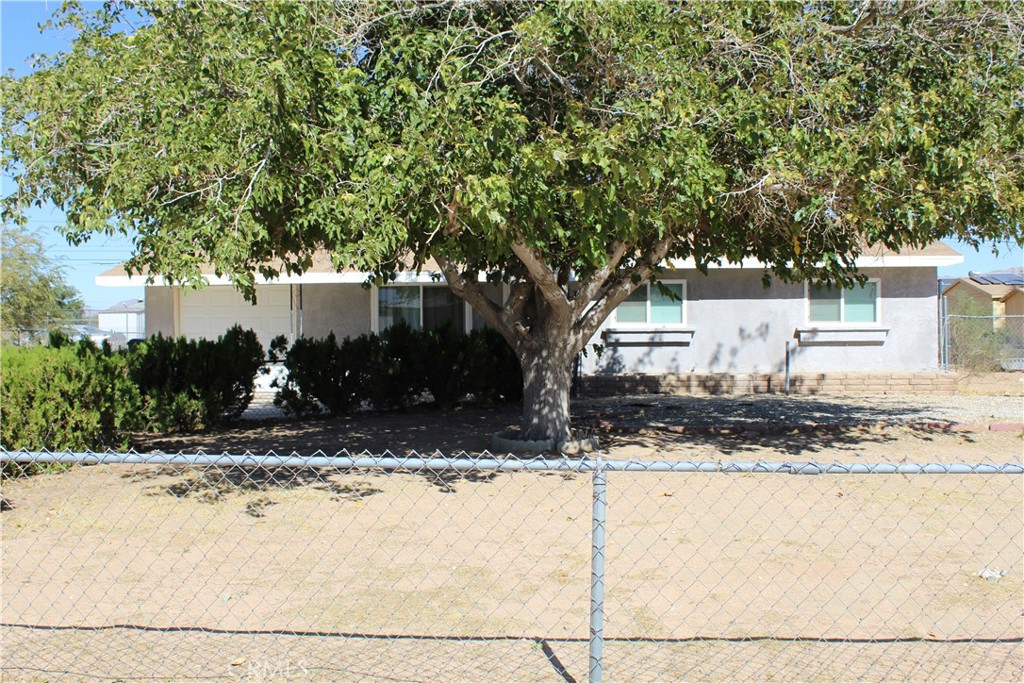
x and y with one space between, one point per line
568 149
34 296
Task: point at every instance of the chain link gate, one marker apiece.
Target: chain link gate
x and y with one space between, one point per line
252 567
981 343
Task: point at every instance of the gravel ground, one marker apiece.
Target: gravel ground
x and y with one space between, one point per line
800 410
660 410
195 574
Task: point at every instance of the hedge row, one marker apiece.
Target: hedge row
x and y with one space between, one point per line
189 384
77 396
394 369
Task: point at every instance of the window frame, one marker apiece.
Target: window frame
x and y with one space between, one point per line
648 325
467 310
842 307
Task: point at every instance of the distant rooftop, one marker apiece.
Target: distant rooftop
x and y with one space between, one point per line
1000 284
1012 277
127 306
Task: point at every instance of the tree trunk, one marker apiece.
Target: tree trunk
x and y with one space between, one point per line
547 379
547 327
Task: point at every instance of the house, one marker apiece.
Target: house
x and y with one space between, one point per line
995 294
983 321
723 331
127 317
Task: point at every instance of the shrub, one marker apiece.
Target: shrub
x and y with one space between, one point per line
396 367
495 375
391 370
380 370
66 397
77 396
189 384
445 365
320 373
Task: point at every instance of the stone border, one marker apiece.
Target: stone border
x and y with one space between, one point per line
501 443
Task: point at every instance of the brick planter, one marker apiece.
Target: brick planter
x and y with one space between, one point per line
838 383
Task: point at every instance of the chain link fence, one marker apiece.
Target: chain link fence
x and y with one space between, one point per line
982 343
75 329
350 568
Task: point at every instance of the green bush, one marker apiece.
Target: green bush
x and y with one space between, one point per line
320 372
445 365
77 396
495 374
66 397
395 375
391 370
189 384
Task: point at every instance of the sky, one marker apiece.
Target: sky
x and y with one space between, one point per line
20 38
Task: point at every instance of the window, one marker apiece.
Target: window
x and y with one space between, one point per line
419 306
858 304
398 304
653 305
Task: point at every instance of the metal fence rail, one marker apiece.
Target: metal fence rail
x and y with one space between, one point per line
216 566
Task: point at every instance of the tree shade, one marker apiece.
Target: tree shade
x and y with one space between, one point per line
568 149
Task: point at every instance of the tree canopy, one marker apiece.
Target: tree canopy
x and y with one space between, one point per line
34 296
566 148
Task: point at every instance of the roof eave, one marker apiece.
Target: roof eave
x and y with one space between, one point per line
353 277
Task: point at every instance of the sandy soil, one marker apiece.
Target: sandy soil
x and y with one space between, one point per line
121 572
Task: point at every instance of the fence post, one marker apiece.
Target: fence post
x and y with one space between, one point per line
597 557
943 334
787 367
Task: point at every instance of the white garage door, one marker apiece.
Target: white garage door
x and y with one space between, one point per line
210 312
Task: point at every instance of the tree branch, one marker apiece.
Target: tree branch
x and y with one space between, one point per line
865 13
589 289
469 290
543 277
513 313
622 287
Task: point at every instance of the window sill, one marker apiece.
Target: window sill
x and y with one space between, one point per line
841 335
648 335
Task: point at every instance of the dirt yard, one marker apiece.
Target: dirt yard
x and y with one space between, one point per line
146 572
770 428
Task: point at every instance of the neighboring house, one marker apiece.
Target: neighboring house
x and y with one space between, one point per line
983 324
127 317
725 324
995 294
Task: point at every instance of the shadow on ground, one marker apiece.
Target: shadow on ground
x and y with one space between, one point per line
800 426
213 484
749 411
420 430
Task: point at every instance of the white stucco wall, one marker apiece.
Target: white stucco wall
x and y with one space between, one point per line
340 308
160 311
734 324
316 310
